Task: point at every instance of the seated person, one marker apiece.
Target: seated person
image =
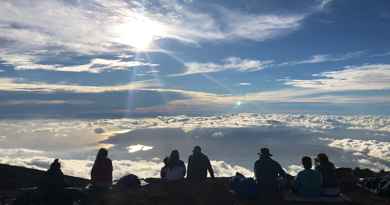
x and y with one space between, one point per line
328 172
52 184
101 173
308 182
176 169
198 165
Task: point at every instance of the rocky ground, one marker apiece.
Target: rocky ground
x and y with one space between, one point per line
212 192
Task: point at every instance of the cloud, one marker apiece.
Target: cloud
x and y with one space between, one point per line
371 148
96 65
245 84
141 168
138 147
325 58
365 77
96 26
19 84
231 63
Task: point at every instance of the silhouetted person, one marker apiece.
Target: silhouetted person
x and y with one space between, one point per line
327 170
176 168
308 182
51 187
267 172
198 165
101 174
163 171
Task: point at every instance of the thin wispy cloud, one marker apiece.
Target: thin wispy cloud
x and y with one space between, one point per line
325 58
365 77
20 84
96 65
230 63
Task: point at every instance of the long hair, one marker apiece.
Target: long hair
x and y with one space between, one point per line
102 154
173 158
322 158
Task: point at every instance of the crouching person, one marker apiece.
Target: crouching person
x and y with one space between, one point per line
308 182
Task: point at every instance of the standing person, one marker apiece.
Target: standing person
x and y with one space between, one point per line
308 182
198 165
176 169
267 171
101 174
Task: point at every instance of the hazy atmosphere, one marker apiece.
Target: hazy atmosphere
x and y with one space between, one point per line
142 78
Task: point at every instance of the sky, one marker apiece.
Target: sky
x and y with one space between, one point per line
118 58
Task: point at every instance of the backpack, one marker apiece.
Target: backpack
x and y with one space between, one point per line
127 182
245 188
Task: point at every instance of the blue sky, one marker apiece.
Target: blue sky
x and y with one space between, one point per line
103 58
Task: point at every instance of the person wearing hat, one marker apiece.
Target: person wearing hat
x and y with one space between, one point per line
267 172
198 165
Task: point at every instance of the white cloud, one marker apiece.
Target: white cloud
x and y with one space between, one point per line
138 147
231 63
371 148
96 65
324 58
141 168
245 84
99 25
18 84
365 77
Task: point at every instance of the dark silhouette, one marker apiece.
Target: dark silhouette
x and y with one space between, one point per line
128 182
198 165
163 172
267 173
51 188
244 188
101 174
176 168
308 181
327 170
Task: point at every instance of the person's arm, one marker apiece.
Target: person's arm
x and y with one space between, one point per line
281 171
189 167
184 170
210 168
255 170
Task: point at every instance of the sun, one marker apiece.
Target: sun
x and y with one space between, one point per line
138 33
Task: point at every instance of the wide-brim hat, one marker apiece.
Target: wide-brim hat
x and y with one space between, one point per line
264 152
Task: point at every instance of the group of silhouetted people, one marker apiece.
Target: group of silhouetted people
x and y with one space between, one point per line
321 181
268 174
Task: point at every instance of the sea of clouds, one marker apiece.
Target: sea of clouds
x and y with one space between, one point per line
138 145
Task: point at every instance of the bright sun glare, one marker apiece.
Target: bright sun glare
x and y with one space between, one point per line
138 33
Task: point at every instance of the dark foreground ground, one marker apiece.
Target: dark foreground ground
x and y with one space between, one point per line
212 192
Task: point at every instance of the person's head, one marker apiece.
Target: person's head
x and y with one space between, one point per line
306 162
197 150
264 152
322 158
174 156
102 154
55 164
